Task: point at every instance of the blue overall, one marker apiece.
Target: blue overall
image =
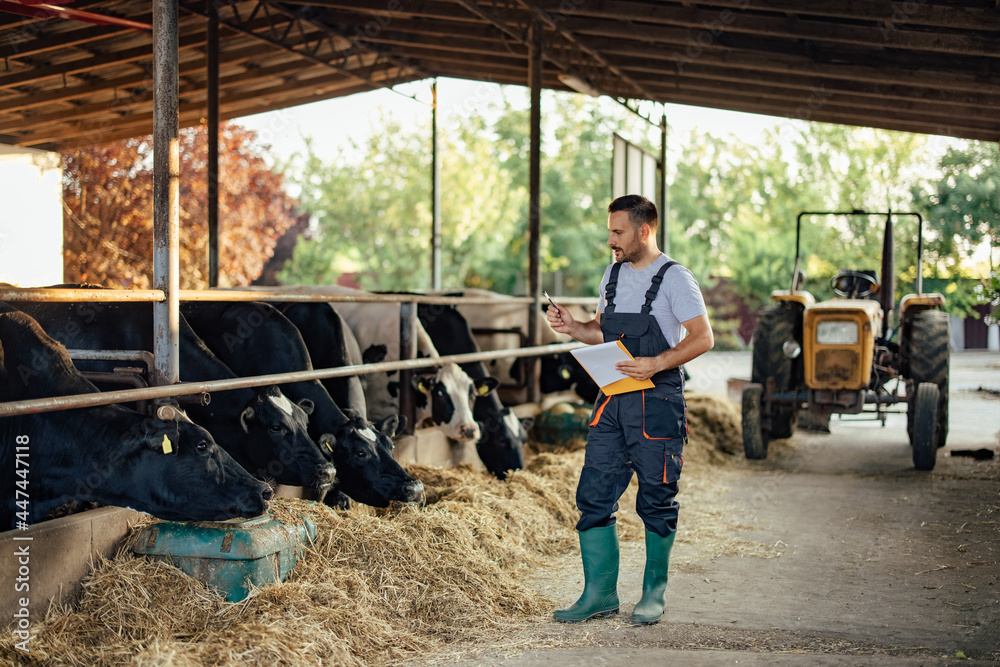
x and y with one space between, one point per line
642 431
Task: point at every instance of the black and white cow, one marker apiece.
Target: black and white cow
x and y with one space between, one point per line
264 431
257 339
169 467
559 372
501 445
444 395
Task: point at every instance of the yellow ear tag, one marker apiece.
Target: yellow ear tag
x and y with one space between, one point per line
483 390
167 445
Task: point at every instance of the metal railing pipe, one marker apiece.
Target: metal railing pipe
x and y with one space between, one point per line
50 404
61 295
70 295
144 356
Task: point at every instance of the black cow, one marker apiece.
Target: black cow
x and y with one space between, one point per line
562 372
501 443
257 339
170 467
264 431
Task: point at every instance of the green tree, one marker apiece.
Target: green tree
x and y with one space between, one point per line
373 217
963 205
372 214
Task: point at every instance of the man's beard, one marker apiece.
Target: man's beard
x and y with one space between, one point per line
631 254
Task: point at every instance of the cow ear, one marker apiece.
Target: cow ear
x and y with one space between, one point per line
527 423
486 385
307 406
390 425
422 384
246 417
327 440
374 354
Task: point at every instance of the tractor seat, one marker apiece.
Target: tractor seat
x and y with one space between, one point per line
852 284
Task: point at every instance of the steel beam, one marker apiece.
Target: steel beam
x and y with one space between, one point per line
534 205
212 92
166 193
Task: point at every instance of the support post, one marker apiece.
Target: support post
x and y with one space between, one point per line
664 236
534 204
166 172
212 114
407 350
435 195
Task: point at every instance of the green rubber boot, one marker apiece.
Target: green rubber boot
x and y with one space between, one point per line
599 550
654 582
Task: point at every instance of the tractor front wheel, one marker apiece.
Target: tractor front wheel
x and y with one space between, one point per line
923 413
754 439
928 358
776 325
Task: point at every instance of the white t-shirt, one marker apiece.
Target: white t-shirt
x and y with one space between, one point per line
678 300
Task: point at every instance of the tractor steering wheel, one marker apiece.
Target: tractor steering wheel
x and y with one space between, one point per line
853 284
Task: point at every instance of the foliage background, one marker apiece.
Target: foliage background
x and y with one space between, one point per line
731 220
108 204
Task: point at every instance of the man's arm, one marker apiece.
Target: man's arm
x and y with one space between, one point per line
699 340
562 322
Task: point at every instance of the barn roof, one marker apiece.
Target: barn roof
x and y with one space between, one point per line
920 66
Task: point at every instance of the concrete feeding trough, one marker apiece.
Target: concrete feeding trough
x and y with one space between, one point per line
231 556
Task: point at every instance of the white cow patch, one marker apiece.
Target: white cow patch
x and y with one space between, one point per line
368 435
459 386
282 403
513 423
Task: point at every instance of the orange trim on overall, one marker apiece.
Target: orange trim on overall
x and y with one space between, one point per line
665 455
600 411
648 437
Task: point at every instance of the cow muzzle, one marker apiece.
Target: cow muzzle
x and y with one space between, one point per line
466 431
325 477
414 492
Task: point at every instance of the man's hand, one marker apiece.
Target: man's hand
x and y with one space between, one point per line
560 319
640 368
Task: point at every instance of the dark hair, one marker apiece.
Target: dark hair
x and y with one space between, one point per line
641 211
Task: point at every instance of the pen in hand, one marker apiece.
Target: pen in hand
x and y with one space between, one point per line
558 312
546 295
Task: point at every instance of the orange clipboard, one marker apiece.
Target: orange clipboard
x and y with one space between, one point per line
599 362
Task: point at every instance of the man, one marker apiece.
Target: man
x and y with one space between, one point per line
647 302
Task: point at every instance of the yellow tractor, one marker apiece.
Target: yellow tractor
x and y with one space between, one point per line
843 356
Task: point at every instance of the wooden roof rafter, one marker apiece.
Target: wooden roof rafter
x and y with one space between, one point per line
931 66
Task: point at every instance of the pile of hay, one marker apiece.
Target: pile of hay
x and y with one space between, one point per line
376 588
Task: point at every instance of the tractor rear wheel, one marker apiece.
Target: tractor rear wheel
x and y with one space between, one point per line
923 411
776 325
929 355
754 439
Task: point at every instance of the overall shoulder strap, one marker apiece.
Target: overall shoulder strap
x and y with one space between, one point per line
654 287
609 289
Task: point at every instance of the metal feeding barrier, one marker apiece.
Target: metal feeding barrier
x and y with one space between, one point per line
407 363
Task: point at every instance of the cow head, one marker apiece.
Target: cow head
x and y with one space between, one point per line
366 471
177 472
446 399
280 447
501 448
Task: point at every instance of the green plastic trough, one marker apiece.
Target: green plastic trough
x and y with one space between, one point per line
231 556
